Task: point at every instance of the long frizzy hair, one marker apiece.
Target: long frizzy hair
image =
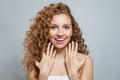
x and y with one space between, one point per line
37 37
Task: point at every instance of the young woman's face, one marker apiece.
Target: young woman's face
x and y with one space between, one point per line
60 30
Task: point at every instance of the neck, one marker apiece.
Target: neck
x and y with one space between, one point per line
60 52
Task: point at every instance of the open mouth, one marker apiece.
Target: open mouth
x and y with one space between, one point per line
59 40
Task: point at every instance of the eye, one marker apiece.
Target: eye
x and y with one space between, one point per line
67 27
53 27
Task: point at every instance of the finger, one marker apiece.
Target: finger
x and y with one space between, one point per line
72 51
66 54
53 55
69 49
76 48
48 49
72 46
43 54
83 61
37 63
51 51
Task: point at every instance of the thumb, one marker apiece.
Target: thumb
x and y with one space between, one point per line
84 59
37 64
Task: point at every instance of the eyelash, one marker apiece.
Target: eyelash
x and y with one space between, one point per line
53 27
67 27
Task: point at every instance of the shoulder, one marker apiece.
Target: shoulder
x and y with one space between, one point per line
86 71
89 59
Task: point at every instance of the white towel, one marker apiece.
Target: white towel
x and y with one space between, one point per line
58 78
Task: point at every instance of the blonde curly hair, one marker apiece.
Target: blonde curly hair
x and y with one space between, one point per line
36 39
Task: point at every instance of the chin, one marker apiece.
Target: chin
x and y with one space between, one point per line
59 47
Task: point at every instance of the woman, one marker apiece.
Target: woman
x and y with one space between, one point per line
54 47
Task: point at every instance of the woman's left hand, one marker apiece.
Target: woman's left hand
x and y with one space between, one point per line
73 64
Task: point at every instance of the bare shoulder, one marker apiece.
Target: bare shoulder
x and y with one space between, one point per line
82 56
86 71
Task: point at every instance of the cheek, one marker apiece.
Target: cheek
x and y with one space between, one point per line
52 34
69 34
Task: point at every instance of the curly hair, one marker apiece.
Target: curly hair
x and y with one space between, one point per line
36 39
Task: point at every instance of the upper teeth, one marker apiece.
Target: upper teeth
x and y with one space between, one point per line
60 39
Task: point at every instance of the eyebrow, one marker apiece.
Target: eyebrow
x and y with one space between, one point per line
63 25
68 24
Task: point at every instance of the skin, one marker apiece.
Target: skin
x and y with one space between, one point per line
61 57
60 28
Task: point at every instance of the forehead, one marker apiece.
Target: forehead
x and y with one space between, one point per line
61 18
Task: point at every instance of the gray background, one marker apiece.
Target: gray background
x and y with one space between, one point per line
98 19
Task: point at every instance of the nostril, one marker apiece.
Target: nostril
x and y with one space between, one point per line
59 35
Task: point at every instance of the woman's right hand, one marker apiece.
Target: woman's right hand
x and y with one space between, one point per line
47 60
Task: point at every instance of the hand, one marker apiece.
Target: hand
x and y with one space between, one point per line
73 63
47 60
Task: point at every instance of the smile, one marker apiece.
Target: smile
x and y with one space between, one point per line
59 40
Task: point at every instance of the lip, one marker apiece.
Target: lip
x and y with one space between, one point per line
60 40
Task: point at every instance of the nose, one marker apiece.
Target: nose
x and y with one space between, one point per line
60 32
